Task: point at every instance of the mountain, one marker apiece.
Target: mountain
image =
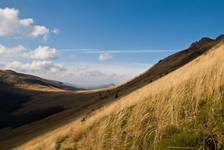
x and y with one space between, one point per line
25 81
130 115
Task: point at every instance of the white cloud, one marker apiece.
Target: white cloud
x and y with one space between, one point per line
104 56
11 24
43 52
39 31
55 30
8 21
8 50
26 22
37 66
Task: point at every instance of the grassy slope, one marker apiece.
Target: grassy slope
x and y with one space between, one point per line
47 94
184 109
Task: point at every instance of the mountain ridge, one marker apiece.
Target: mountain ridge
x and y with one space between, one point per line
16 79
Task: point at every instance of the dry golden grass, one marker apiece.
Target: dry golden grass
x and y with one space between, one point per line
140 119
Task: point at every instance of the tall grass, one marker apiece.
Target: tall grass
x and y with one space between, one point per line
183 110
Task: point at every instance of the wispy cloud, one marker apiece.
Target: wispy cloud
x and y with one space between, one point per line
99 51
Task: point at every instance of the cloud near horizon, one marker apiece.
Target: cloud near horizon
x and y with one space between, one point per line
6 50
42 61
43 52
28 60
104 56
42 66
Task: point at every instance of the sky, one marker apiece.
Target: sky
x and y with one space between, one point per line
91 43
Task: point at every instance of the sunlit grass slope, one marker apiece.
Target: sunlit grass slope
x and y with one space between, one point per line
182 110
59 104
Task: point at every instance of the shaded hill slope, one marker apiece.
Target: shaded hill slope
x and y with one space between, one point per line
16 89
171 112
29 81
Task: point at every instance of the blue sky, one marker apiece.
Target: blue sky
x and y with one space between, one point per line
102 35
